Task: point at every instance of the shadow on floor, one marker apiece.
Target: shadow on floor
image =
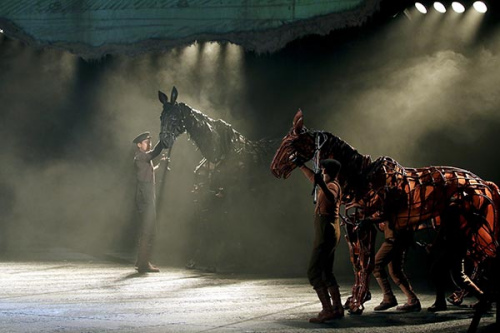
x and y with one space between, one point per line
397 319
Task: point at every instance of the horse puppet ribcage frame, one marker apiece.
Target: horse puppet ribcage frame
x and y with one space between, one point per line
463 206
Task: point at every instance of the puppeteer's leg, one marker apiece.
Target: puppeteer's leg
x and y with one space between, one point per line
327 311
337 307
332 236
399 277
320 273
382 259
144 255
147 212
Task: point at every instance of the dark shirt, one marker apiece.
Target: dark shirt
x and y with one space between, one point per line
144 164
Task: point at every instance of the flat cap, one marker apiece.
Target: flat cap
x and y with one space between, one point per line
331 166
141 137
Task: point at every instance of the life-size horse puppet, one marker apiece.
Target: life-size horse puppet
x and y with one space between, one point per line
232 168
464 206
216 139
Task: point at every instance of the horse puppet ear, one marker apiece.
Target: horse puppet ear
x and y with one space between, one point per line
173 95
163 98
298 122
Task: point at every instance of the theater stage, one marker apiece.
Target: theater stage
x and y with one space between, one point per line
85 294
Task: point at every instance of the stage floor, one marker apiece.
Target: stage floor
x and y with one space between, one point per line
88 295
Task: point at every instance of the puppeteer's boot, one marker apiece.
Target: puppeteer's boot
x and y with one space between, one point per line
338 309
144 252
148 268
440 303
327 312
413 304
389 300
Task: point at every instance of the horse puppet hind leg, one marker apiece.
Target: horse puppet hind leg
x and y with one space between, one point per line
456 255
471 234
361 242
492 295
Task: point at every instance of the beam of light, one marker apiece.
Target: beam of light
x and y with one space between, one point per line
1 31
234 58
211 50
189 55
422 27
446 36
469 26
458 7
209 59
439 7
421 8
234 69
480 7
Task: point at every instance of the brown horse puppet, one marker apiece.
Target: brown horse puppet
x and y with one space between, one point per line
463 207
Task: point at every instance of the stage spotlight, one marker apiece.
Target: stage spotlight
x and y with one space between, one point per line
458 7
421 8
439 7
1 31
480 6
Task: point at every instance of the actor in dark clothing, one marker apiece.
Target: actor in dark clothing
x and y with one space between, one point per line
145 199
326 238
448 252
392 253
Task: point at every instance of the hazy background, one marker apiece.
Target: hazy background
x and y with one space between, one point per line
423 90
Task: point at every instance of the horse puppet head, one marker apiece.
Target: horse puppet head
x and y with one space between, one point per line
298 144
172 120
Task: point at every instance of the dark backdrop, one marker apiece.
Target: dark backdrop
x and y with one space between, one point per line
423 90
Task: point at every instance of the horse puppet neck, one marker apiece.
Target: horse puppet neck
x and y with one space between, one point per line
215 138
353 164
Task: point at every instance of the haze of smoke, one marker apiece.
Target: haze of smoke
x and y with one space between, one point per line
407 94
33 98
68 172
80 192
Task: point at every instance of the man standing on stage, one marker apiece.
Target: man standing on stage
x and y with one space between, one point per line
326 238
145 198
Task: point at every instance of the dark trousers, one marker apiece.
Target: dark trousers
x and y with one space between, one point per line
146 209
392 253
448 262
326 238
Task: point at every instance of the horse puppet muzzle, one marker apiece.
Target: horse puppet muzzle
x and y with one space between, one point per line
283 162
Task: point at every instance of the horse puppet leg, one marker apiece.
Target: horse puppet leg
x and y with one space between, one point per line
493 296
361 247
353 246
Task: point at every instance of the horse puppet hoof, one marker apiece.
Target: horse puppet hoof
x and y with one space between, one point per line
355 311
347 304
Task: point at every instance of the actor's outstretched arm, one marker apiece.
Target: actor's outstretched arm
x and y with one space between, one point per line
156 150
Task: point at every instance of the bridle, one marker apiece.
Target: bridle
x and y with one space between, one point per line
320 139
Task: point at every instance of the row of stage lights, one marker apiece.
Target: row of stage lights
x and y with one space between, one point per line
479 6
